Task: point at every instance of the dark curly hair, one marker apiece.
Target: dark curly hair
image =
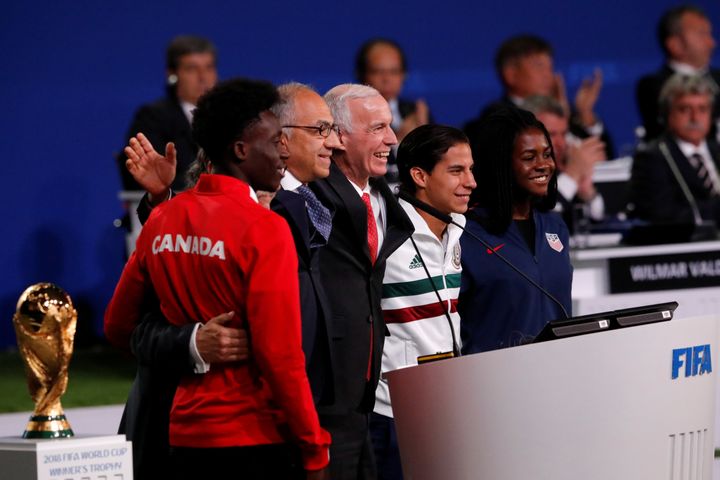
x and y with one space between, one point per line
223 114
424 147
492 150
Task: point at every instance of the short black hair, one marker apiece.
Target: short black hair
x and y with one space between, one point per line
184 45
670 21
424 147
361 58
492 150
517 47
226 111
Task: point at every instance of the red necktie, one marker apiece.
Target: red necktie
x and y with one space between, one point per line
372 234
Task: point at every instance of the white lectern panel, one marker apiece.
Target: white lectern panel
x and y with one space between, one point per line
602 406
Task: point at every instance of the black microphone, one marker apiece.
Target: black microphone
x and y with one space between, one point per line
682 183
427 208
448 219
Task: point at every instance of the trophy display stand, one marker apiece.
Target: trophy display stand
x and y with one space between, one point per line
77 458
45 322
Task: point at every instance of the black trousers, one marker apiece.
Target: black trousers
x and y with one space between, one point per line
351 452
259 462
385 446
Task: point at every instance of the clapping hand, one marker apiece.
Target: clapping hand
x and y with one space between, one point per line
154 172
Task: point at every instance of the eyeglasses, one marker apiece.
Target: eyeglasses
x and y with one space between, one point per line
322 130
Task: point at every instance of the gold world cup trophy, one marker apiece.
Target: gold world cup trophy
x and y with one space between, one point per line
45 327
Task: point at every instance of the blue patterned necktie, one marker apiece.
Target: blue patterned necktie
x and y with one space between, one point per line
318 213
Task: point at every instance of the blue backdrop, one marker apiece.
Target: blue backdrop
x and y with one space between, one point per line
74 72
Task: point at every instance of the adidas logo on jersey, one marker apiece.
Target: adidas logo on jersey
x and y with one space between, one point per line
416 262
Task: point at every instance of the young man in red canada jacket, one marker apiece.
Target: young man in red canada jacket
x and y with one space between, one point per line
213 249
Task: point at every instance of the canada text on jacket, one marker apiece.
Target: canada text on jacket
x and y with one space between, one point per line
188 244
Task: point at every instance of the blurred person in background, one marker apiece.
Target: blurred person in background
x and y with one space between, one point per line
575 160
524 65
381 63
675 177
685 36
191 71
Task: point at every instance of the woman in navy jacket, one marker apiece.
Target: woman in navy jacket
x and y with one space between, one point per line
517 188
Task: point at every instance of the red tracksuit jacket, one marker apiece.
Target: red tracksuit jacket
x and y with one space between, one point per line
211 250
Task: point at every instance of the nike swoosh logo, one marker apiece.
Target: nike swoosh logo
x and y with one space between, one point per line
495 249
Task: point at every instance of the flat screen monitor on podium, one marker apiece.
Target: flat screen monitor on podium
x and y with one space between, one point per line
599 322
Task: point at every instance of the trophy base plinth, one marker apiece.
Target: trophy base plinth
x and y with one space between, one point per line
83 457
44 426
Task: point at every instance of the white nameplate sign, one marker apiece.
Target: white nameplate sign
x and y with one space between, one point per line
78 458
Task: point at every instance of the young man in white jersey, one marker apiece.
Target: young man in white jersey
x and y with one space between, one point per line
422 278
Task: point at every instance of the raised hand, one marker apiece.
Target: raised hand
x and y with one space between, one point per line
560 94
582 156
421 116
586 97
586 188
154 172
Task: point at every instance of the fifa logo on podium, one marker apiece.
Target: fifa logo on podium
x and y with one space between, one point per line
694 361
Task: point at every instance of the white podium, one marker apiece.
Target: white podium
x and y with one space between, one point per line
600 406
78 458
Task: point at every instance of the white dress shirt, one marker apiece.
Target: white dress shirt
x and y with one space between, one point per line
688 149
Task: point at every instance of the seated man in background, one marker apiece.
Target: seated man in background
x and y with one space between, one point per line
422 278
381 63
191 71
575 160
524 65
675 178
685 36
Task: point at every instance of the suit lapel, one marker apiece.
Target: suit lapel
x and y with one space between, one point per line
507 101
688 172
399 226
297 219
353 205
405 107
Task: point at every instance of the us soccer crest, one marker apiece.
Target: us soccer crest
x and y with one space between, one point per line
456 256
554 242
